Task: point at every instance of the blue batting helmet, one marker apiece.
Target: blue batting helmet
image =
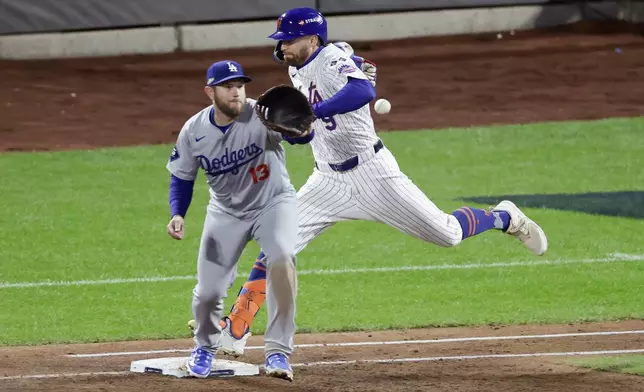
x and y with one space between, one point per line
300 22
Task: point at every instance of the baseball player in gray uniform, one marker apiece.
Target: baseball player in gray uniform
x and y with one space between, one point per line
251 197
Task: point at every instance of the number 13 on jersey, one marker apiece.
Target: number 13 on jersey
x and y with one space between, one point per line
259 173
314 97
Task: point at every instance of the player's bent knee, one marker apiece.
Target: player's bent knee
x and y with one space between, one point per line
283 260
210 294
447 233
280 250
451 241
281 257
444 241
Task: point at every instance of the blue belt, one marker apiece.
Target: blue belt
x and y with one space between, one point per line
351 162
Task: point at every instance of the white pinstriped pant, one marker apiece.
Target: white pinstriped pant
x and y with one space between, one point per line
375 190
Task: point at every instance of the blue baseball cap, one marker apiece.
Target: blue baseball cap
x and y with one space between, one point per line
222 71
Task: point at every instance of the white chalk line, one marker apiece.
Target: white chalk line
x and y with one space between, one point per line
62 375
616 257
379 343
464 357
366 361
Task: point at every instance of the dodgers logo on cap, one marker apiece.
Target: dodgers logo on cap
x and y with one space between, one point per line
225 70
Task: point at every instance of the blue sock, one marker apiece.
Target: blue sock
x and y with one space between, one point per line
259 268
474 220
257 273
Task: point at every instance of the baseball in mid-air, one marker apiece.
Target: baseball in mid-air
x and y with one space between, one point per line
382 106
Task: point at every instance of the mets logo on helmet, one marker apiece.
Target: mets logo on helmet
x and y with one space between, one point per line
279 22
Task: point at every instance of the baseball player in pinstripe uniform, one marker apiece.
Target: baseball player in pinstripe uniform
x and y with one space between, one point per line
355 175
251 197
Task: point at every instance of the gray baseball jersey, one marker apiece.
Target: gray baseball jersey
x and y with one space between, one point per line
251 198
245 166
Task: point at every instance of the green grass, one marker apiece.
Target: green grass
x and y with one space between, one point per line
630 364
89 215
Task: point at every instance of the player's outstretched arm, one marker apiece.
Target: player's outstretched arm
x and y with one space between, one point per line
354 95
300 140
286 113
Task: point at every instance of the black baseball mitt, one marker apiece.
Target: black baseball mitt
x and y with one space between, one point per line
285 110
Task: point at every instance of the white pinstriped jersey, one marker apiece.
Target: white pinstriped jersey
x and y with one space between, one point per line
342 136
373 190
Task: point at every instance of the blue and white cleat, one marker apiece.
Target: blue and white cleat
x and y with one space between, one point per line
229 344
200 363
524 228
277 366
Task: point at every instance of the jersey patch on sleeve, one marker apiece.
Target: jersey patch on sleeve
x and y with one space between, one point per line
346 68
175 154
334 62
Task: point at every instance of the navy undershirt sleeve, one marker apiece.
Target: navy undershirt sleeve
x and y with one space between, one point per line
354 95
300 140
180 196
